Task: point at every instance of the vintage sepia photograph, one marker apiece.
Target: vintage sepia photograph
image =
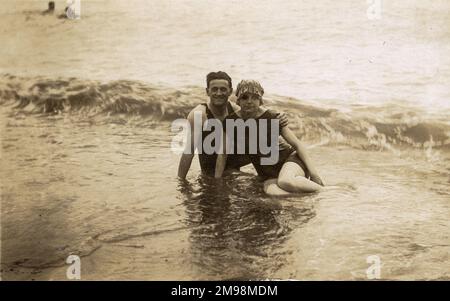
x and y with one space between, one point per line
239 140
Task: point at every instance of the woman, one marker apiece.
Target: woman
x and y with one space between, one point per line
293 172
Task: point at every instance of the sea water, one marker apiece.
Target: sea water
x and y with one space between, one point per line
87 168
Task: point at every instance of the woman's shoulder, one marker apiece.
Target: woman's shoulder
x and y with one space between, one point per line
271 114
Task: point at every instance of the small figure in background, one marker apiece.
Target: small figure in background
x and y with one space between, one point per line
50 9
64 15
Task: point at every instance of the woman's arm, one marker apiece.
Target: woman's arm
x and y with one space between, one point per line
290 138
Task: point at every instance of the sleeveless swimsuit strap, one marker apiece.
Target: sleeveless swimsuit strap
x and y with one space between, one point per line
230 108
210 115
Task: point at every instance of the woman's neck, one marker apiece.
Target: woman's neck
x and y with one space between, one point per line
253 115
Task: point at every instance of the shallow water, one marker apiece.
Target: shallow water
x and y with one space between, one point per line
108 193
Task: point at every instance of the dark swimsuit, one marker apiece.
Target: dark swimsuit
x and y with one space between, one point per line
285 152
208 162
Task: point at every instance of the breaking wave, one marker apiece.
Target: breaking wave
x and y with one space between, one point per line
364 127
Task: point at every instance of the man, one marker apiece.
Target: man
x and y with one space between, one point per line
218 88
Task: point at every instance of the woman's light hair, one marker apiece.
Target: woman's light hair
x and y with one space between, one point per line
249 86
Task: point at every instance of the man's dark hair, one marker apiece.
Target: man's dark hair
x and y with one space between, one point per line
218 75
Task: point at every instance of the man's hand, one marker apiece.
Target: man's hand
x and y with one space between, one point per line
284 121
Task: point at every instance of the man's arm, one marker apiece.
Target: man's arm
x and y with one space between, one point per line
221 160
284 121
185 164
290 137
282 117
220 165
189 152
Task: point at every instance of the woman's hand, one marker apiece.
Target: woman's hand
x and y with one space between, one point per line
315 178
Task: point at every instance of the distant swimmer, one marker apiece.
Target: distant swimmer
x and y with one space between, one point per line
64 15
50 9
71 12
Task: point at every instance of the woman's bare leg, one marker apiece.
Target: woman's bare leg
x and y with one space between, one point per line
271 188
292 179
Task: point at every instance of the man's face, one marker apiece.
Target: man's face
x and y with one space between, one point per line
219 90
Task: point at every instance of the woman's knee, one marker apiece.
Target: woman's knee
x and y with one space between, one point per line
289 171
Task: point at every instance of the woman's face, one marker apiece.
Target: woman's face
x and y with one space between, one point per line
249 104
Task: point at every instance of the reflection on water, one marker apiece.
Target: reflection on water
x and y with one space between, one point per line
232 235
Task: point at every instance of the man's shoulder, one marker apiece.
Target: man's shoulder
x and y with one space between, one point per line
201 108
